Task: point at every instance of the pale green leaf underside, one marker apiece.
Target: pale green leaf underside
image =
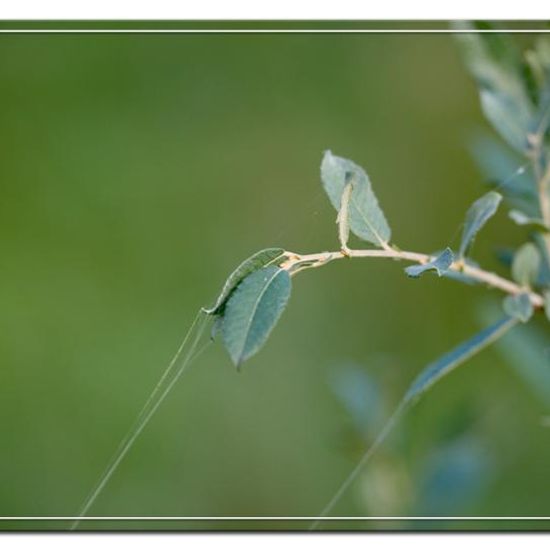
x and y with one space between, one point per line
476 217
262 258
366 219
253 310
440 265
526 265
445 364
519 307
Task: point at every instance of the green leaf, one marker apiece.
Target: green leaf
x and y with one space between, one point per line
543 278
519 307
542 47
253 310
461 277
268 256
547 304
506 172
495 63
445 364
510 118
525 349
366 219
538 61
424 381
526 264
490 57
440 265
476 217
522 219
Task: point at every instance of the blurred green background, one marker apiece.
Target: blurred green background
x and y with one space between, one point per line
136 171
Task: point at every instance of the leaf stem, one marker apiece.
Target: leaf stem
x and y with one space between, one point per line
300 262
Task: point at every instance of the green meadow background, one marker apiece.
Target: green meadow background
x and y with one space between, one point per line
136 171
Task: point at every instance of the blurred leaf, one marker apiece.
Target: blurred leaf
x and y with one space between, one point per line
533 75
541 121
453 477
527 350
495 63
505 256
360 394
253 310
543 278
440 265
445 364
476 217
525 265
547 304
460 276
542 49
366 219
265 257
519 307
489 56
521 219
503 168
510 118
538 60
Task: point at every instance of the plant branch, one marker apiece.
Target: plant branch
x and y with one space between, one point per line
298 263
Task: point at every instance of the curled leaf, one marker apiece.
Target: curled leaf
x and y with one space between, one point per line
265 257
476 217
366 219
439 264
343 214
253 310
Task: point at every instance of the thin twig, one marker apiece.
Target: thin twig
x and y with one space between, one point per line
300 262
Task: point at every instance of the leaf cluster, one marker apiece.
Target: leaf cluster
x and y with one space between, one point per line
514 90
